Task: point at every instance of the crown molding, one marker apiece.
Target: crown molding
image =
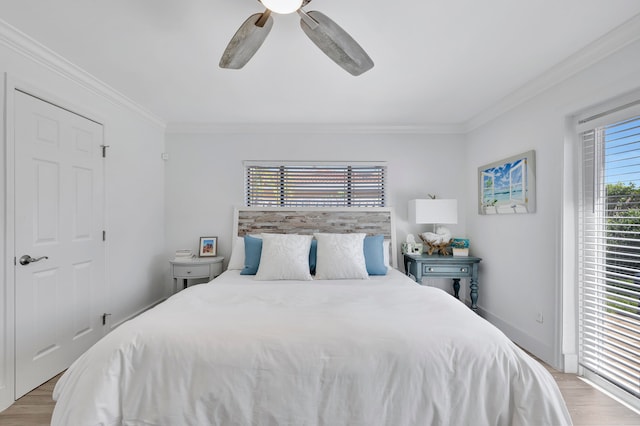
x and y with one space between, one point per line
611 42
24 45
603 47
313 128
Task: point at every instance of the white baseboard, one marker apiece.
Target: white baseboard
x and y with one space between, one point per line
540 349
6 397
135 314
571 363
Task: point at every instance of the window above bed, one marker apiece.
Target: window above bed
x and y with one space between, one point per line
305 184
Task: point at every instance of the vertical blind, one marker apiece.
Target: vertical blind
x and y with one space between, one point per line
311 185
609 253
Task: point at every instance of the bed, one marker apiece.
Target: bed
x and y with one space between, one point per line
239 350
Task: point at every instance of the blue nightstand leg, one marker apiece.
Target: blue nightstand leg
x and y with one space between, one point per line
456 287
474 287
474 293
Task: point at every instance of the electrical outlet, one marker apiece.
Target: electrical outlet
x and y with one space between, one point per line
540 318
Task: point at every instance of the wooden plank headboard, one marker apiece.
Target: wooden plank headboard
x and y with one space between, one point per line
307 220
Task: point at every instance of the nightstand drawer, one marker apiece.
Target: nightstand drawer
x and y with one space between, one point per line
446 270
180 271
196 269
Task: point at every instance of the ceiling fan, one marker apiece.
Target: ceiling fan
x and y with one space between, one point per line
335 42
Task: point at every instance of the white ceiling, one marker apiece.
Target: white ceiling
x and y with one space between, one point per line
438 62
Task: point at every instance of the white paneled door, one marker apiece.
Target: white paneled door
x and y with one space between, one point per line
59 248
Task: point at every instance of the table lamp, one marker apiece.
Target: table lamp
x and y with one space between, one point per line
435 211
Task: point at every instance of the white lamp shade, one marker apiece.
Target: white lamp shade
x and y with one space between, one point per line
282 6
433 211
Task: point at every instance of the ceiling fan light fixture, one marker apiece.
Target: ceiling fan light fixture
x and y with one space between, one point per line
334 42
282 6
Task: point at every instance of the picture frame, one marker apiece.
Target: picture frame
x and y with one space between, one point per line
208 247
508 186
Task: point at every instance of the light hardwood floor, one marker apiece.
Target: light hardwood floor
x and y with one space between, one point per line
588 406
33 409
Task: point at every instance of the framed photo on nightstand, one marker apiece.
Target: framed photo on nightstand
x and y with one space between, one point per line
208 246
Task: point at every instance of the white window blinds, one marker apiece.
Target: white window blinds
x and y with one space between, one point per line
609 251
315 185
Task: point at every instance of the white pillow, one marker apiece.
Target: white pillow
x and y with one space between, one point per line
284 257
236 261
341 256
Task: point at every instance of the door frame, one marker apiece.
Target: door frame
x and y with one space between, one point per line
11 84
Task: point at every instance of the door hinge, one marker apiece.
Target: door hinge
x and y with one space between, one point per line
104 318
104 235
104 150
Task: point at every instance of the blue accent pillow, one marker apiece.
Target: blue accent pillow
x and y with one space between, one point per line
374 255
252 253
313 256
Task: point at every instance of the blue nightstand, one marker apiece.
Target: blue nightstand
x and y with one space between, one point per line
454 267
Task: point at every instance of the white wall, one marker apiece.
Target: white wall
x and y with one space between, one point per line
527 264
205 175
134 189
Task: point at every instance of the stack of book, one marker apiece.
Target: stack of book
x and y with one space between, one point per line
183 254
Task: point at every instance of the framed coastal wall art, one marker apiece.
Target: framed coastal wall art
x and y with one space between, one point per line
508 186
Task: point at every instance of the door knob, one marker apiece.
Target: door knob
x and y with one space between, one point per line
26 259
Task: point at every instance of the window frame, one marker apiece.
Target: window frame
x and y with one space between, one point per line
597 266
349 186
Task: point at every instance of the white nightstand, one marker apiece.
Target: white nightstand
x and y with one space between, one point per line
197 267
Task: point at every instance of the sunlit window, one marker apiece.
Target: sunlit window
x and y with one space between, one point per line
609 252
315 185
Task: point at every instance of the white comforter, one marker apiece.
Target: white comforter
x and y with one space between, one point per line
383 351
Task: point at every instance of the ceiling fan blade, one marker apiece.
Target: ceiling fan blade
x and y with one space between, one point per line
335 42
247 40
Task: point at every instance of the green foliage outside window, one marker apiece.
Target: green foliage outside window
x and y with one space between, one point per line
623 245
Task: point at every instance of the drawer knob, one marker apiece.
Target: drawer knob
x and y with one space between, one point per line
463 269
188 272
430 269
